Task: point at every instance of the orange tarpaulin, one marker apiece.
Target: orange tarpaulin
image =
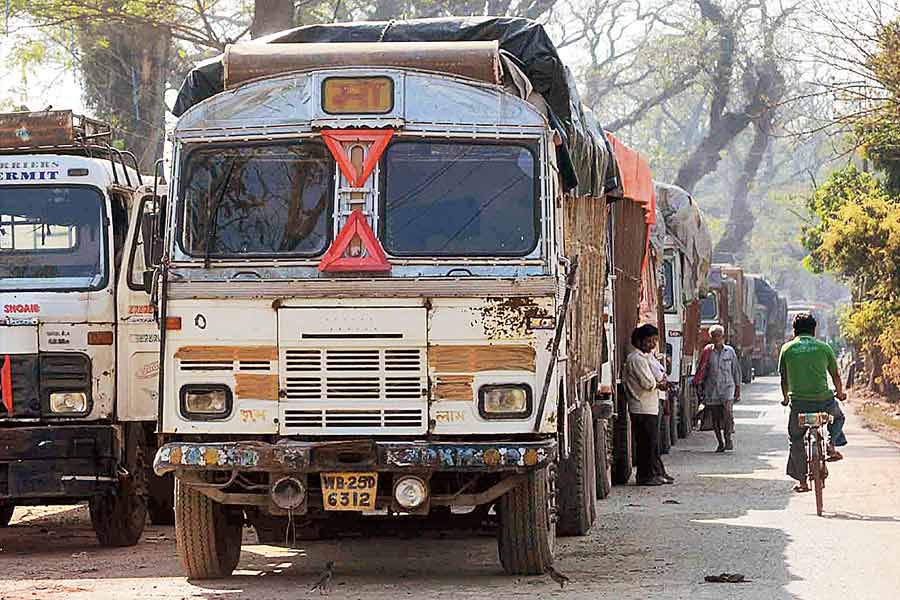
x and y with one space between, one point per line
637 181
637 186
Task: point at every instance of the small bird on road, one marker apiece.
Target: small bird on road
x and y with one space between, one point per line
324 582
558 577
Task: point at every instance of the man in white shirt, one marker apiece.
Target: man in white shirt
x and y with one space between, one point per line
722 387
641 388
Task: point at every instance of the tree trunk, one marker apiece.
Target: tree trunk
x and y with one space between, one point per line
270 16
723 126
706 156
732 244
124 70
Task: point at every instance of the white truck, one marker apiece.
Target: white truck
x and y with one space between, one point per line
686 264
383 286
78 342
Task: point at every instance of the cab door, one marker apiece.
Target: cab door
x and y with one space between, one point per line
137 381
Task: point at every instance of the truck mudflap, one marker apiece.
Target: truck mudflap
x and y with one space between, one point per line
296 456
65 462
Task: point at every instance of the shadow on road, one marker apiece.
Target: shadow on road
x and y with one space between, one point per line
648 542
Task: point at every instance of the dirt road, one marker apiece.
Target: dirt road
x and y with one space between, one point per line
731 512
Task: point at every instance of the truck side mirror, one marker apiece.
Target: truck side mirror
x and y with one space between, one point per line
147 280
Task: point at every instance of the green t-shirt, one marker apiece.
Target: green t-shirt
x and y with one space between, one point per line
806 361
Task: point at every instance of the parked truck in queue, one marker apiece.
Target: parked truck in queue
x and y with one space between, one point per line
78 342
390 293
688 257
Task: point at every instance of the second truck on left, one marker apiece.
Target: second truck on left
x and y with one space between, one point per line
79 345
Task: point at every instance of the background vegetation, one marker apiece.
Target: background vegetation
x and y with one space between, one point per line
781 117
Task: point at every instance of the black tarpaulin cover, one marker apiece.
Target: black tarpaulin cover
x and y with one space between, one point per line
585 158
765 294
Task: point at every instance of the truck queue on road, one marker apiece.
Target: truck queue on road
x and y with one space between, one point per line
395 271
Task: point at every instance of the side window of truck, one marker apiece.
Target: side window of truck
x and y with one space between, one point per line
139 251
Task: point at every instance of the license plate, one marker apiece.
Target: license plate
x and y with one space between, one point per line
349 491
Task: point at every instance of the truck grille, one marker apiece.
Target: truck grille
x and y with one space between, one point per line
352 371
354 389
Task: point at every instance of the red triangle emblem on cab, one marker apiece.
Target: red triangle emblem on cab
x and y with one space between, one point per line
355 249
379 139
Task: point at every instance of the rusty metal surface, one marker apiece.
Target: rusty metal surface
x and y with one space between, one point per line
259 386
47 129
36 129
227 353
388 456
249 61
481 357
515 317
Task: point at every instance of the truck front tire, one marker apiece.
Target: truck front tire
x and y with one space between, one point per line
602 444
685 416
526 537
161 499
6 512
577 478
119 517
622 444
207 534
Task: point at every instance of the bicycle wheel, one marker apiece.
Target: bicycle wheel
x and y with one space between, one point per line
817 469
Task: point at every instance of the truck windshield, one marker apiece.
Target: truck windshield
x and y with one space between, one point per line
257 200
51 238
761 322
460 199
709 307
668 296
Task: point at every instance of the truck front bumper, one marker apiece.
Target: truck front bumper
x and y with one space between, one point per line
58 461
312 457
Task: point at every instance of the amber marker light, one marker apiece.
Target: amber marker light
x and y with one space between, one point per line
173 323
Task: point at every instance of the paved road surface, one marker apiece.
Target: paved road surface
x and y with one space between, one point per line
731 512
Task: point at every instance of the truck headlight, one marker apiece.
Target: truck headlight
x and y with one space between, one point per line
67 403
205 402
505 401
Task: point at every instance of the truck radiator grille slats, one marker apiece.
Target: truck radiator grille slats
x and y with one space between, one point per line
188 365
363 419
364 390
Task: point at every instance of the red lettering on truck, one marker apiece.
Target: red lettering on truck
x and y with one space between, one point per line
21 308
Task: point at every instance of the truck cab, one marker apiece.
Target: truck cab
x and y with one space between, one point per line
78 342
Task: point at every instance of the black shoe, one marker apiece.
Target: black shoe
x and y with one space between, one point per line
668 479
729 445
652 481
720 448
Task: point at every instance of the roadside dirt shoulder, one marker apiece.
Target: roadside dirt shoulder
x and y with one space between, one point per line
877 413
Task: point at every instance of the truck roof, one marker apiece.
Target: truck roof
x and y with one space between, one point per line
584 163
51 135
44 169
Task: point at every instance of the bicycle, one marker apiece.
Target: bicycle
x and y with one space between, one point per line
815 451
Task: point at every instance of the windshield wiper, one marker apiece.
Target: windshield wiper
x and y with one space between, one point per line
211 239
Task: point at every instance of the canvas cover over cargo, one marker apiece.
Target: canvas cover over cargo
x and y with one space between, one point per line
686 228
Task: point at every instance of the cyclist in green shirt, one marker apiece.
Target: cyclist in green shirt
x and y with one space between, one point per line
805 364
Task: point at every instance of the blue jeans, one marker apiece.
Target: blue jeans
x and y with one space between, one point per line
796 465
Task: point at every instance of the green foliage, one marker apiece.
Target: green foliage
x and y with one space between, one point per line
857 235
879 131
838 205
